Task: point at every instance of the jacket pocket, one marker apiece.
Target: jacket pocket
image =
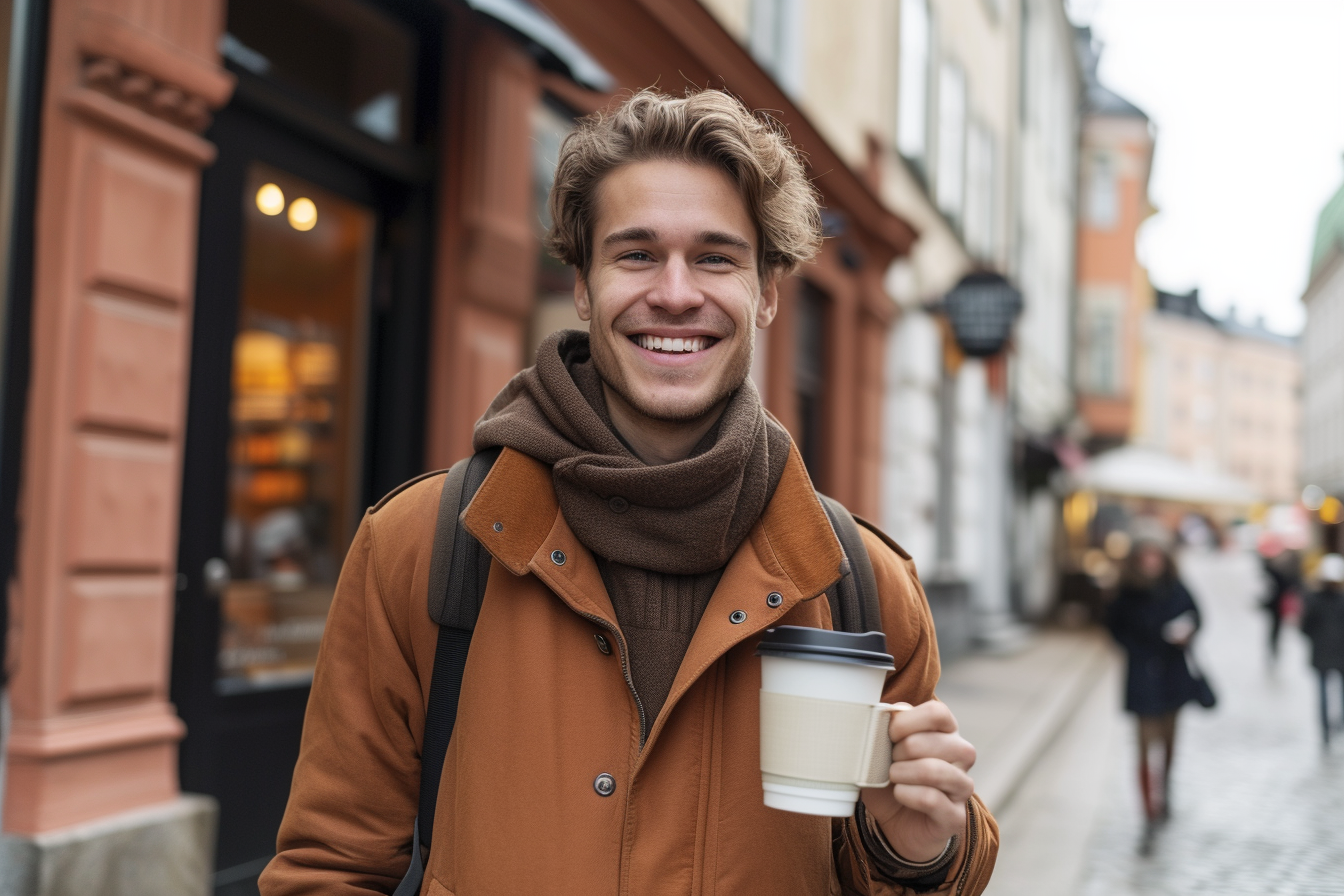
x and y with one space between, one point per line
437 889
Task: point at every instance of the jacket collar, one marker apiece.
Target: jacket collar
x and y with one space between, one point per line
514 514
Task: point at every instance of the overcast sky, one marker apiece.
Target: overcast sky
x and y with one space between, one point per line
1248 99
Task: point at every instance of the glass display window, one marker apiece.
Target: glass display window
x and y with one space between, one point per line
296 412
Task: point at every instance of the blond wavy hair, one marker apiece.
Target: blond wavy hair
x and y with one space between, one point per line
708 127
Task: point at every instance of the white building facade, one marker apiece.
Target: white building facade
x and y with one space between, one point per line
965 114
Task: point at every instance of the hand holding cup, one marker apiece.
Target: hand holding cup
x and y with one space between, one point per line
930 765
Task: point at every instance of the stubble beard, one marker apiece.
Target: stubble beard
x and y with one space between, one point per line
609 369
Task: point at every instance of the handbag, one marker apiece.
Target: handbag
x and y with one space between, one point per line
1204 694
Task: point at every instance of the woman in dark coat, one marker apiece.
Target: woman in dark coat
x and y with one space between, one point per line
1323 624
1153 618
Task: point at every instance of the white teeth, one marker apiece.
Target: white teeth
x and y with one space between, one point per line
685 345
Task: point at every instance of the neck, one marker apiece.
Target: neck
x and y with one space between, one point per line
658 442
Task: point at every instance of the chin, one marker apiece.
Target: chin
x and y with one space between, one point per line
679 407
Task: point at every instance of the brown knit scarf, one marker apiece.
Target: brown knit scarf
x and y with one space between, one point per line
662 534
683 517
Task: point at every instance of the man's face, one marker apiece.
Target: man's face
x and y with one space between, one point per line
673 291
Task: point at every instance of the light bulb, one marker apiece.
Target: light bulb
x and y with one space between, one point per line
270 199
302 214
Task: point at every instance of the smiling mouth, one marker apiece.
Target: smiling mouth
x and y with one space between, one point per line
673 344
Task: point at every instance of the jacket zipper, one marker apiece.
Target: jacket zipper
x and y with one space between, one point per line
625 670
970 847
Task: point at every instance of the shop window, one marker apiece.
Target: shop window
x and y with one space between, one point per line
554 310
296 418
346 57
810 376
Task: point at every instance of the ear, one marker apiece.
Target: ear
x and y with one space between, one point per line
582 304
768 305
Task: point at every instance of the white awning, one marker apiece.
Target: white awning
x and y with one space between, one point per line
1145 473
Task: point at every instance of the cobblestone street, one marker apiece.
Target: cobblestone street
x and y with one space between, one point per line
1257 804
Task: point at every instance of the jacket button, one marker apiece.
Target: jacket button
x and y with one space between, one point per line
774 599
618 504
737 617
558 558
605 785
603 644
498 527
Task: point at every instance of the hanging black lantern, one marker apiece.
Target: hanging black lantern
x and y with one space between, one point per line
981 309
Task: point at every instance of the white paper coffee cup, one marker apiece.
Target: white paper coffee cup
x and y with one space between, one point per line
823 725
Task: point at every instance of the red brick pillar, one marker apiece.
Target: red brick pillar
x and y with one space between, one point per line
485 284
129 87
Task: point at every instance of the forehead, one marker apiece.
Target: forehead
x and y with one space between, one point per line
676 200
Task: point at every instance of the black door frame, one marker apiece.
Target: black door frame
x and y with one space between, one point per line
259 125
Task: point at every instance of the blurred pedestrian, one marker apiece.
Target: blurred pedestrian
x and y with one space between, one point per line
1323 623
1281 584
1154 618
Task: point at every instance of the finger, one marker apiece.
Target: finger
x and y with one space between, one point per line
947 816
951 748
935 773
931 716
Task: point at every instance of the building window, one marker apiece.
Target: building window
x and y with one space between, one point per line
1103 193
1102 366
777 41
912 123
950 174
981 162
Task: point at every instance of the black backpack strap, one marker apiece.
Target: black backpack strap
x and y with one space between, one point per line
854 600
459 568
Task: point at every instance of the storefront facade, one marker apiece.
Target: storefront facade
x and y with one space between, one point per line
286 253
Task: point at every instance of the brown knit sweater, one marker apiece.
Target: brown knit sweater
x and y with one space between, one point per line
662 534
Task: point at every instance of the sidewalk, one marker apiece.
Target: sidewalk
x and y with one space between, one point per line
1013 707
1044 721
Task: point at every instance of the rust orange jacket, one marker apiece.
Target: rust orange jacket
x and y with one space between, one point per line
544 711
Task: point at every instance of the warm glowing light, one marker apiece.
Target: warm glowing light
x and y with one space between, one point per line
1313 496
1078 512
270 199
1332 510
302 214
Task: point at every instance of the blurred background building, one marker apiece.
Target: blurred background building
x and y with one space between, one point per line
1113 291
1221 394
1322 347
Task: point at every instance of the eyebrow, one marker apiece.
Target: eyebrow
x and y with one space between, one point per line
630 235
719 238
706 237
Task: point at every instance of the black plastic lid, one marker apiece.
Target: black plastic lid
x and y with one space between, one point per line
802 643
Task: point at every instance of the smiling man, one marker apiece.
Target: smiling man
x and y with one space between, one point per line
647 522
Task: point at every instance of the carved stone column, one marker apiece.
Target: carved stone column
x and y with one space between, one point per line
93 751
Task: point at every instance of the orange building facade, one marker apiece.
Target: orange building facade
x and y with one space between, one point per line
285 254
1113 289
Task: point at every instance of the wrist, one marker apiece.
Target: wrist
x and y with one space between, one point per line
915 850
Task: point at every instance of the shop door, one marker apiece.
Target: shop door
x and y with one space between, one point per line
307 374
274 472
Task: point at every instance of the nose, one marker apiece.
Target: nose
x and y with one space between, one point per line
675 290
